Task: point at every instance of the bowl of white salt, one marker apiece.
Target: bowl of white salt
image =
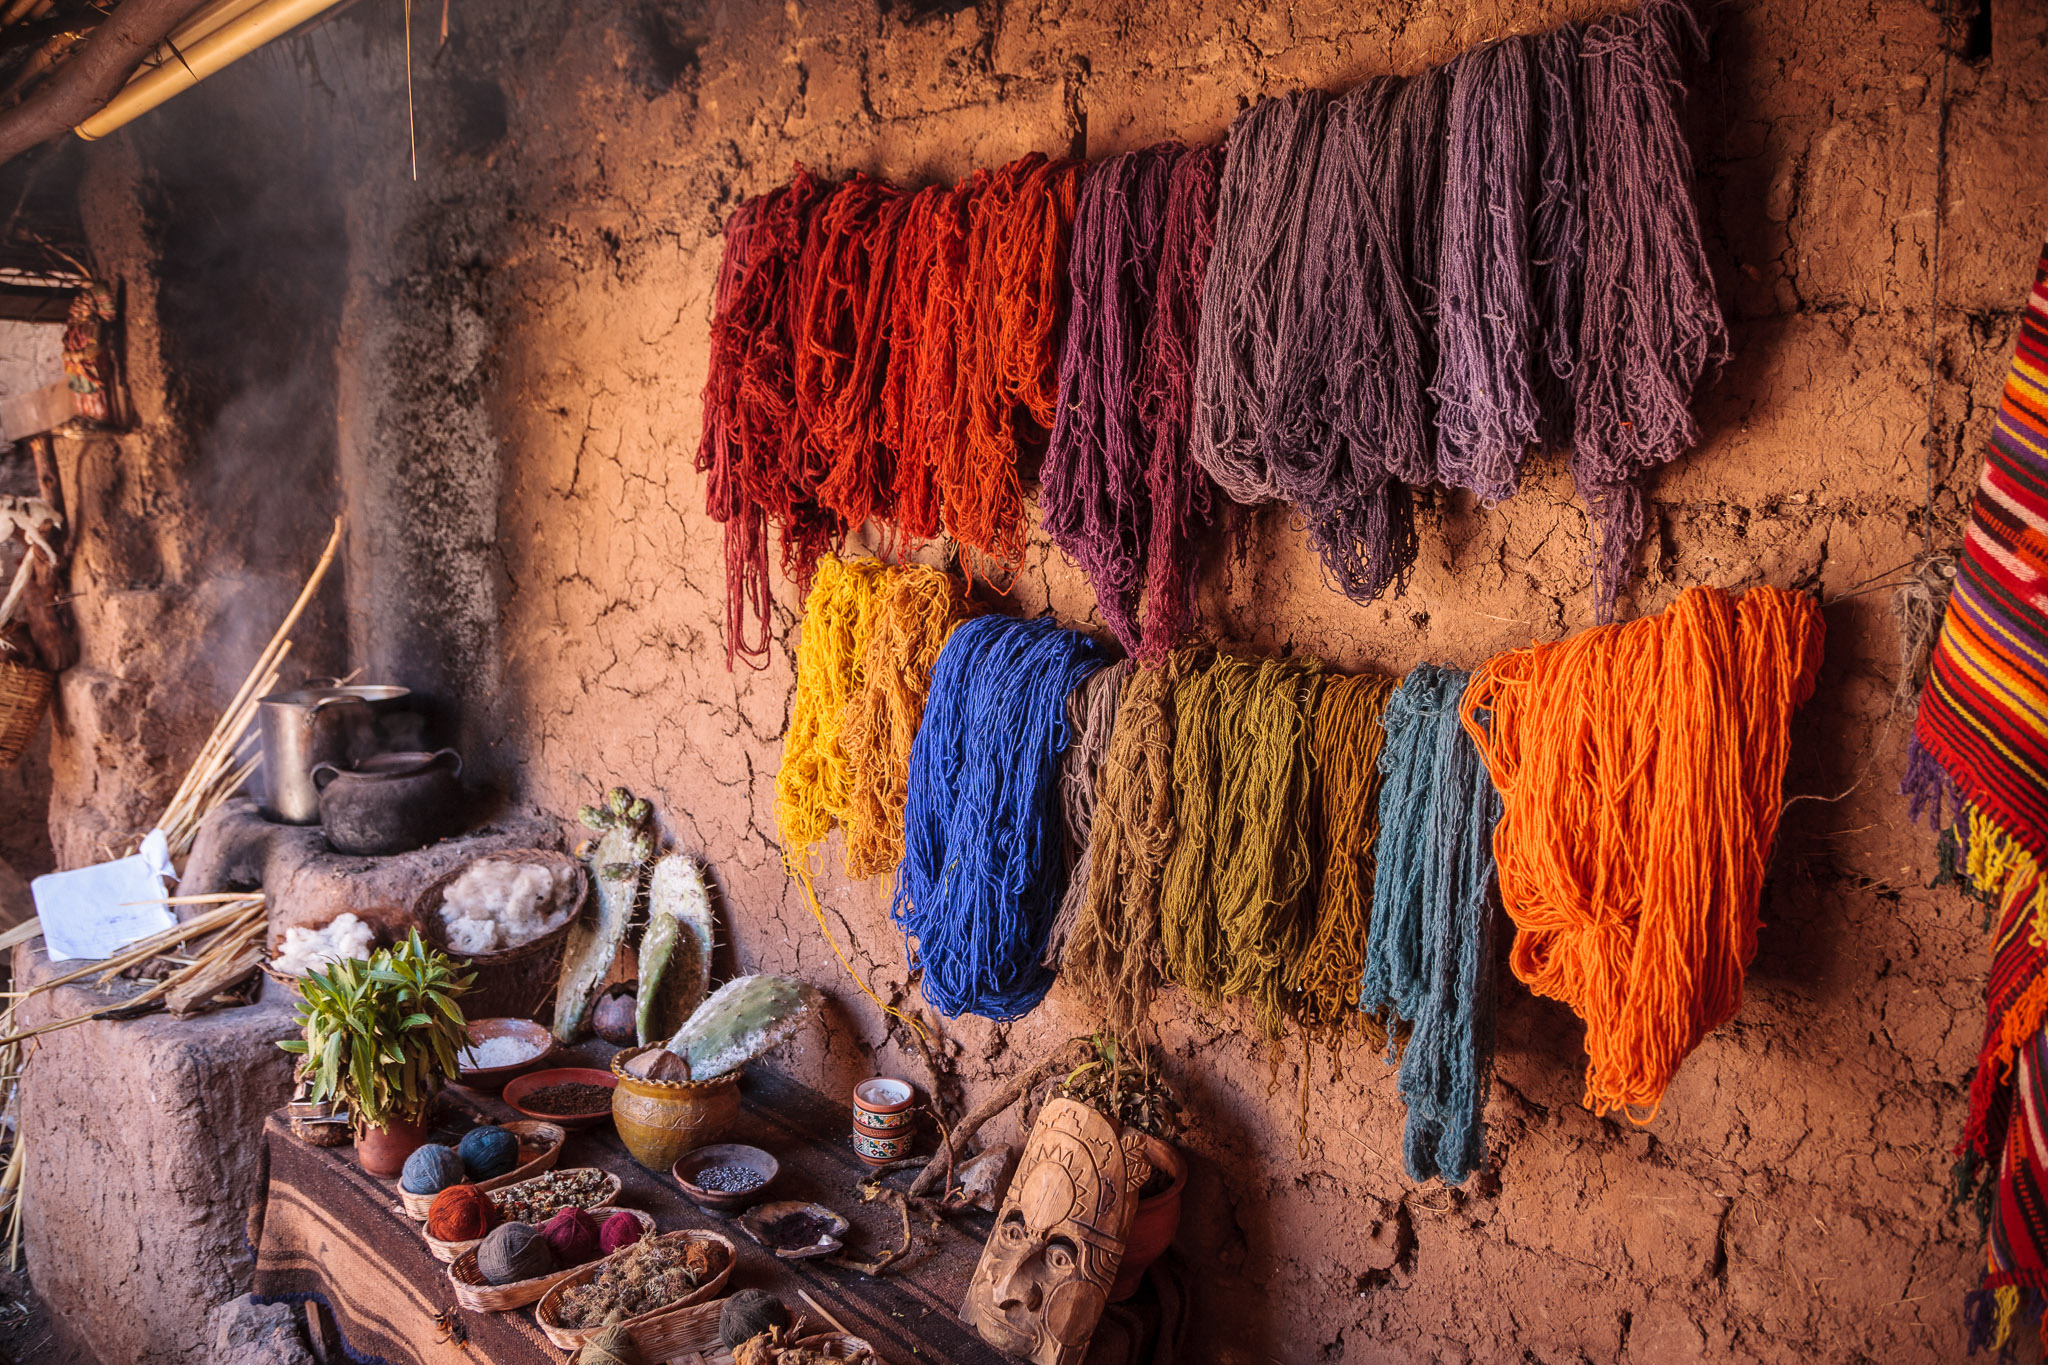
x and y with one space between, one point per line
500 1049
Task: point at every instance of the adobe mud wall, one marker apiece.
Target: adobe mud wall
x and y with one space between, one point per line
495 371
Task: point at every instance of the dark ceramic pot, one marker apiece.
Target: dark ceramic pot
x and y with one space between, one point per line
390 803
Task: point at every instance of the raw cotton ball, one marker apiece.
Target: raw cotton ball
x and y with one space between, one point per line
495 905
461 1213
430 1170
572 1236
309 950
514 1252
488 1152
749 1313
622 1229
613 1346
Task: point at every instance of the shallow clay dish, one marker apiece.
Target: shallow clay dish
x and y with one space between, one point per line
491 1079
518 1089
725 1203
795 1230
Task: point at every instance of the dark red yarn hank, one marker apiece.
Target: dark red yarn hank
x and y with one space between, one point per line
1182 496
842 347
925 290
718 451
1095 482
1651 325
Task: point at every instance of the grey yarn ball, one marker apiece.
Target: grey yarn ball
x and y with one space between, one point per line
488 1152
749 1313
514 1251
431 1169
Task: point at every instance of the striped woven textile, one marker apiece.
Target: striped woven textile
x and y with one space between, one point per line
1979 760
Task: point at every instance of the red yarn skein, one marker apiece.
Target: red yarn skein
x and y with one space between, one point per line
622 1229
461 1213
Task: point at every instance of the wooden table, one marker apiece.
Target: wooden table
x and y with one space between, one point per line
333 1234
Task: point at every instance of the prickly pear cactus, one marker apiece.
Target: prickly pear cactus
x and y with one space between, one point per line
675 952
743 1019
618 859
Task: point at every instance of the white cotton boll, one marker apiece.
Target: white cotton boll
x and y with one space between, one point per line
309 950
515 902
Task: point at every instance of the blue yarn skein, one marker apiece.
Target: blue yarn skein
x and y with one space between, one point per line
1429 949
984 857
488 1152
431 1169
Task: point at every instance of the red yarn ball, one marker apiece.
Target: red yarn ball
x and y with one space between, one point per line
461 1213
622 1229
572 1234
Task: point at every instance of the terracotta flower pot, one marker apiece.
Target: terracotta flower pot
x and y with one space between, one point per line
382 1151
660 1120
1157 1219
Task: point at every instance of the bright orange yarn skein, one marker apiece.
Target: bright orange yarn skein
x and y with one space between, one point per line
1641 768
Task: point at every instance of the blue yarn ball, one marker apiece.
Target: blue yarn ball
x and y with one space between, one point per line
431 1169
488 1152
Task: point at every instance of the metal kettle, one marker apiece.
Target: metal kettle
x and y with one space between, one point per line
308 726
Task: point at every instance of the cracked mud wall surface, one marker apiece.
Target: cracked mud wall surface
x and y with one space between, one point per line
497 374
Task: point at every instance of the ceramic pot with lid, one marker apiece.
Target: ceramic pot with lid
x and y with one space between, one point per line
390 803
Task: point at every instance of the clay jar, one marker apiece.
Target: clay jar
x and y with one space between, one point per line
660 1120
1157 1219
390 803
382 1151
884 1121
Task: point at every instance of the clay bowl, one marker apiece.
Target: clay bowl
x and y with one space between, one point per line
661 1120
724 1203
491 1079
520 1087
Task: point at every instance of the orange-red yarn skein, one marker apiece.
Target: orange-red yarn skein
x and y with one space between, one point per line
1641 768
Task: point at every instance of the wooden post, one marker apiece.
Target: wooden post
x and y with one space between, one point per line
46 607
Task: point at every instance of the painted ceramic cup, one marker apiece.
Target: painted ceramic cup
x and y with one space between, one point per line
883 1105
880 1150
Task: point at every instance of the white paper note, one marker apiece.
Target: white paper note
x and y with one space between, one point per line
93 912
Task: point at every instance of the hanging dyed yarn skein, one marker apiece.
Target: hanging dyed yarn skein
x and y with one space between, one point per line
1642 767
813 786
1429 949
1650 325
1557 229
1237 901
915 609
984 859
1091 717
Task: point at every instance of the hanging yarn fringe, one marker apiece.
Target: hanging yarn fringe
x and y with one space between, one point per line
1429 949
1114 957
917 383
1651 325
983 861
814 785
1486 409
1094 482
1641 767
915 609
720 451
1237 902
1557 229
1349 737
1091 717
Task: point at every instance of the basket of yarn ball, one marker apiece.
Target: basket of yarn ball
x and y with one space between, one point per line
539 1147
512 981
716 1253
458 1219
477 1294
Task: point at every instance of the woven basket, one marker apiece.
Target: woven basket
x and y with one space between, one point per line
570 1338
24 696
543 1140
479 1295
448 1252
514 983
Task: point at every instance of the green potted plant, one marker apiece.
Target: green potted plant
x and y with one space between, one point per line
1122 1084
379 1035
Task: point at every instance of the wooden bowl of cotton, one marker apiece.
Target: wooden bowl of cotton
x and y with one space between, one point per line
507 914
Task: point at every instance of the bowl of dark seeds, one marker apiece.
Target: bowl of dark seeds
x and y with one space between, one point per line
726 1176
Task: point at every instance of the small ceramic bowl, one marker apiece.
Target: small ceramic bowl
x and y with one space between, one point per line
795 1230
491 1079
880 1151
725 1202
517 1091
884 1103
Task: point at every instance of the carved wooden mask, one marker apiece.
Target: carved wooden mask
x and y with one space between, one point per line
1046 1270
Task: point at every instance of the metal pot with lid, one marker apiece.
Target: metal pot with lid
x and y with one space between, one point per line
308 726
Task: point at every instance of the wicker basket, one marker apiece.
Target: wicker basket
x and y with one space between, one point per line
24 696
514 983
543 1140
448 1252
479 1295
571 1338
